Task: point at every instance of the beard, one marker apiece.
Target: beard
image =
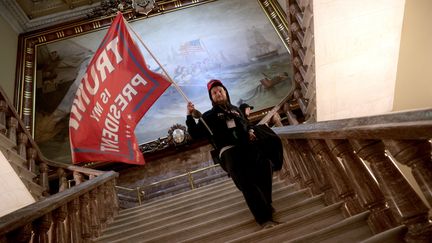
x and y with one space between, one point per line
221 102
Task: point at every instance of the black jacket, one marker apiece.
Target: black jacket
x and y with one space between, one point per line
218 119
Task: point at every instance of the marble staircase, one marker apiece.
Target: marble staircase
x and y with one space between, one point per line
218 213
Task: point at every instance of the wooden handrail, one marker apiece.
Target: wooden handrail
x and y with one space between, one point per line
399 125
84 170
28 214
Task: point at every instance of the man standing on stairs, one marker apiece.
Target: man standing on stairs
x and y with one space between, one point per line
227 129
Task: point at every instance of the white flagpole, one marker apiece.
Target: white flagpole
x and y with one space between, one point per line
163 69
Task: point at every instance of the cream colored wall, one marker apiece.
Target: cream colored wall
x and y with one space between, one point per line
356 53
9 45
373 57
13 193
414 76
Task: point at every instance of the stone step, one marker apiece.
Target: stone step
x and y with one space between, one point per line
186 198
174 190
180 197
395 235
194 208
297 227
352 229
227 230
233 212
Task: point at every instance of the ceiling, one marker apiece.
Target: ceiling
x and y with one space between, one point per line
40 8
29 15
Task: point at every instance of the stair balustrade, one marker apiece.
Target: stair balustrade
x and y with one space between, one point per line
354 161
62 212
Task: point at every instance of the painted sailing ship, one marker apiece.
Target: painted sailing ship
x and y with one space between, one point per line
259 47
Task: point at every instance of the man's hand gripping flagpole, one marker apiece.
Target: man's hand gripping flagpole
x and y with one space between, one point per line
195 113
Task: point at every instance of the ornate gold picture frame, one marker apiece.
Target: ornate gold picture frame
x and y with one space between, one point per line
232 40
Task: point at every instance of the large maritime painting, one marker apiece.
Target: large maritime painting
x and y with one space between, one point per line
230 40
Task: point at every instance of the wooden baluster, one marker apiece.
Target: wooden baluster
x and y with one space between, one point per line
407 204
301 83
31 158
295 28
300 100
338 178
74 222
297 47
12 129
107 202
295 11
294 172
85 217
41 227
292 119
296 163
276 119
23 234
22 145
302 165
3 111
94 215
299 65
78 177
101 206
319 173
63 184
417 155
43 168
368 191
59 227
113 197
307 17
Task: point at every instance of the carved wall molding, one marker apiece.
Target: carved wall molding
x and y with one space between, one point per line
21 23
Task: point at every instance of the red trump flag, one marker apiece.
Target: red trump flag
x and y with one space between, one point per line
115 93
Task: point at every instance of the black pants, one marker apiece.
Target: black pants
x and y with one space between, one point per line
252 174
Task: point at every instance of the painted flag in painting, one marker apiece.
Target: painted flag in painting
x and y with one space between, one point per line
115 93
191 46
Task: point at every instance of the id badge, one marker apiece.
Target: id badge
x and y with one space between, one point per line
231 123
